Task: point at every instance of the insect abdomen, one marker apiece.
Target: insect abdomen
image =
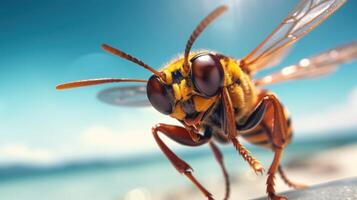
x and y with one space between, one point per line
261 135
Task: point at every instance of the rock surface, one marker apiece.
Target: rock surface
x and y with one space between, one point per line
337 190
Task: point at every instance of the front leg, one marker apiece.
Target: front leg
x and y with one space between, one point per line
219 157
271 107
182 136
229 127
279 138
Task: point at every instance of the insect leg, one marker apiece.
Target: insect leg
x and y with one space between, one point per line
279 139
271 175
229 126
288 181
219 157
182 136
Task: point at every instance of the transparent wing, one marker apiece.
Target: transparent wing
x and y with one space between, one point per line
132 96
318 65
305 17
272 60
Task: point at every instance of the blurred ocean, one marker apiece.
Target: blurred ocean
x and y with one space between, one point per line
120 178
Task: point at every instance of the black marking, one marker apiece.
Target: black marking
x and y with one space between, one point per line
189 107
192 115
254 119
213 119
253 133
177 76
216 116
289 122
208 132
237 111
238 81
215 122
189 84
170 93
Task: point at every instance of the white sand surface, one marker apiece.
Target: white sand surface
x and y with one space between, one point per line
326 166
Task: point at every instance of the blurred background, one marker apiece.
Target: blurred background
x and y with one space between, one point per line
69 145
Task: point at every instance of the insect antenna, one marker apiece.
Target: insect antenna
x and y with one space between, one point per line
95 82
110 80
198 30
124 55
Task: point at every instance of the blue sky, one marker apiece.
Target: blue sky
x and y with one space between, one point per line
43 43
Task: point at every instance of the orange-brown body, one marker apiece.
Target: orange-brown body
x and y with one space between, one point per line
213 95
243 92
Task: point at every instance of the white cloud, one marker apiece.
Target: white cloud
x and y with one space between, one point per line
134 136
21 153
338 117
104 140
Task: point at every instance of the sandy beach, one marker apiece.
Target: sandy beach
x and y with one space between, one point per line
319 168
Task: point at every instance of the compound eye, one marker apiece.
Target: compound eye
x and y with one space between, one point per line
207 74
158 96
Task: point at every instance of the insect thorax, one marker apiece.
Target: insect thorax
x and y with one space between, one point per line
189 103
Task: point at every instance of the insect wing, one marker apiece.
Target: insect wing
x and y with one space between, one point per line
305 17
318 65
273 59
129 96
